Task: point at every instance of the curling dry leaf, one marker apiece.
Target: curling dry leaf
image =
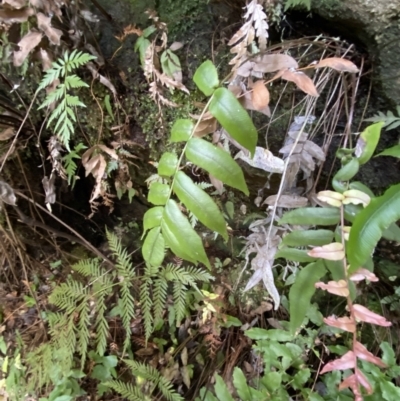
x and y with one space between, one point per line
343 323
365 355
333 251
26 44
334 287
15 3
356 197
353 382
364 314
338 64
331 198
302 81
44 24
247 102
218 185
260 96
347 361
363 274
95 164
273 62
9 16
263 159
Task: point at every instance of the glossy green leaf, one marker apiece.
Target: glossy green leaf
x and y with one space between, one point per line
234 118
181 130
199 203
369 138
308 237
345 174
167 164
221 390
206 78
315 216
301 292
158 193
392 233
369 225
217 162
187 239
153 249
296 255
393 151
240 383
152 218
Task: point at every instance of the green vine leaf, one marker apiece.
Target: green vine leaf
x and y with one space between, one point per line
167 164
181 130
206 78
158 193
345 174
308 237
296 255
301 292
312 216
217 162
367 142
234 118
185 240
199 203
369 225
152 218
393 151
153 249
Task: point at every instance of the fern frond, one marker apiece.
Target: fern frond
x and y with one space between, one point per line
88 267
127 390
160 296
179 301
73 101
127 310
83 333
146 303
73 81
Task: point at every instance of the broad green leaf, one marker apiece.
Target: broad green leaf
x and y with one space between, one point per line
181 130
187 239
240 383
301 292
234 118
199 203
221 390
390 392
301 378
152 218
167 164
206 78
257 333
393 151
296 255
345 174
369 225
308 237
217 162
206 395
170 63
153 249
392 233
314 216
158 193
273 380
388 355
369 138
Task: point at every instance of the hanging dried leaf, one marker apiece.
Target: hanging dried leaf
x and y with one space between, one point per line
103 80
44 24
365 355
26 44
302 81
356 197
49 189
287 201
338 64
347 361
7 194
331 198
247 103
7 134
343 323
364 314
9 16
263 159
218 185
339 288
333 251
314 150
260 96
274 62
363 274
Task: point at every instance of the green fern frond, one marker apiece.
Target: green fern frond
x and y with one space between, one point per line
88 267
127 390
179 301
146 303
123 262
83 333
73 81
128 310
160 296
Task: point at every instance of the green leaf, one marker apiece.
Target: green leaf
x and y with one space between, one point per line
206 395
361 187
167 164
217 162
300 378
393 151
301 292
369 225
152 218
170 63
221 390
388 355
308 237
206 78
390 392
240 383
186 239
257 333
296 255
107 103
199 203
326 216
370 138
181 130
345 174
234 118
273 380
158 193
153 249
392 233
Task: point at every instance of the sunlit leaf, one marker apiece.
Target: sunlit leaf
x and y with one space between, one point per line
217 162
206 78
234 118
167 164
312 216
158 193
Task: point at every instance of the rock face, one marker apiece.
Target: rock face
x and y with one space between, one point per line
376 23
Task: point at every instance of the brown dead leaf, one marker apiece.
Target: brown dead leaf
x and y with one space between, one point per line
274 62
247 103
314 150
176 46
338 64
205 127
26 44
260 96
15 3
218 185
7 134
47 60
287 201
302 81
10 17
44 24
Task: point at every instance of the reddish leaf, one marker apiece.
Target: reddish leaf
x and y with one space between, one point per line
344 323
363 381
365 355
363 274
349 382
260 96
335 287
365 315
338 64
333 251
347 361
302 81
